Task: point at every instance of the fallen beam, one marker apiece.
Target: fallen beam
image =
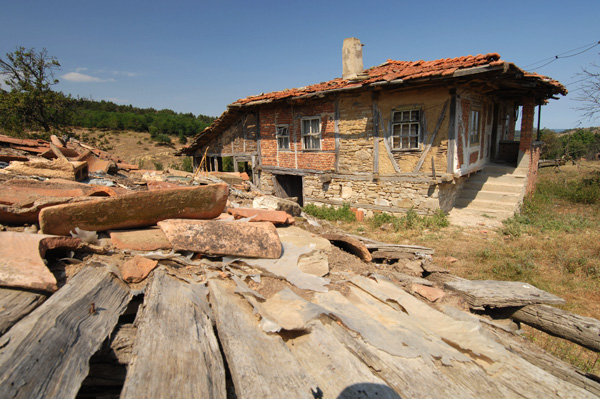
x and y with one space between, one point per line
16 304
501 294
261 365
176 354
584 331
139 209
46 354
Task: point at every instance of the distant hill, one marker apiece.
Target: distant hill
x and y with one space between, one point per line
160 124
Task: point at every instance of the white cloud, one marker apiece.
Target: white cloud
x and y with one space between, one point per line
83 78
80 69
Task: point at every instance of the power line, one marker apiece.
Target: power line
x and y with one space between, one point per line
566 54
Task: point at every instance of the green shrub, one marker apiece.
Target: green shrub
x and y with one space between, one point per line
158 165
187 165
331 213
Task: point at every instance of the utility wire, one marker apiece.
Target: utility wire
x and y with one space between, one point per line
566 54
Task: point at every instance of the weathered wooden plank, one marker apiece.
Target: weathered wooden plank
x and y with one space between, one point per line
261 365
16 304
176 354
538 357
338 372
492 370
411 378
500 294
46 354
584 331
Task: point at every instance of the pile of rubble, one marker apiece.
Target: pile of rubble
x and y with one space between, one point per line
147 284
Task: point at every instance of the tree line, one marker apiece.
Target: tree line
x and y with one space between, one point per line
577 144
159 123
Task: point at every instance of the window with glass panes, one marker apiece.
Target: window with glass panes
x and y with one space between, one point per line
406 126
474 128
283 137
311 133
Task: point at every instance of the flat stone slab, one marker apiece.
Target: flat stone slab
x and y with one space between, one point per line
500 294
138 209
140 240
21 259
223 238
278 218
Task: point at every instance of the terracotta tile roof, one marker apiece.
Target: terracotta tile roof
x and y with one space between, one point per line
390 71
404 70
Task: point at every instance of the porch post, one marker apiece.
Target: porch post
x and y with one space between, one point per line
526 131
529 151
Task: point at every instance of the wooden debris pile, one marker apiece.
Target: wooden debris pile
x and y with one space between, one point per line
157 293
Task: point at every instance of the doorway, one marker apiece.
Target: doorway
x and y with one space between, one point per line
289 186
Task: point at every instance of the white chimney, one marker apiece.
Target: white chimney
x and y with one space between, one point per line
352 58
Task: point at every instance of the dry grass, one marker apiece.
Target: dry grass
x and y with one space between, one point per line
554 245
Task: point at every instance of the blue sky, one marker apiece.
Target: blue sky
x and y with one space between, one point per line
197 56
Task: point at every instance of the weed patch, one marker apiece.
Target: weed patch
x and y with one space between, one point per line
330 213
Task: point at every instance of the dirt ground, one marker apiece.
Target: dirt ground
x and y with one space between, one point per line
134 148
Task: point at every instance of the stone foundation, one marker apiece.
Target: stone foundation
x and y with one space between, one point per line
420 194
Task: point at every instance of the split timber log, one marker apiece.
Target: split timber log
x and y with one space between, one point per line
176 354
540 358
501 294
16 304
136 210
584 331
261 365
47 353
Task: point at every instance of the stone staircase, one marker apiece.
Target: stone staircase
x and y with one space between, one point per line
490 196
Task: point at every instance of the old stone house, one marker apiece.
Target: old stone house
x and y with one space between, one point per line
393 137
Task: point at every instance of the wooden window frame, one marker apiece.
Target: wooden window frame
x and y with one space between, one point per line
403 137
314 137
281 138
474 127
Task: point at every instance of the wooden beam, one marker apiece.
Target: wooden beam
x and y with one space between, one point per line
176 353
375 117
501 294
337 134
261 365
46 354
584 331
431 138
16 304
452 129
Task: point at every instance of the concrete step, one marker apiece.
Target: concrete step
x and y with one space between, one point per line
457 213
498 196
486 177
485 205
504 170
493 185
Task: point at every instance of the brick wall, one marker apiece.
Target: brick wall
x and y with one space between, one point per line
532 175
296 157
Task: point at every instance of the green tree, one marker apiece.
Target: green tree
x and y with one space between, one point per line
30 103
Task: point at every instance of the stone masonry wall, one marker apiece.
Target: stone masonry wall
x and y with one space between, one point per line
356 134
